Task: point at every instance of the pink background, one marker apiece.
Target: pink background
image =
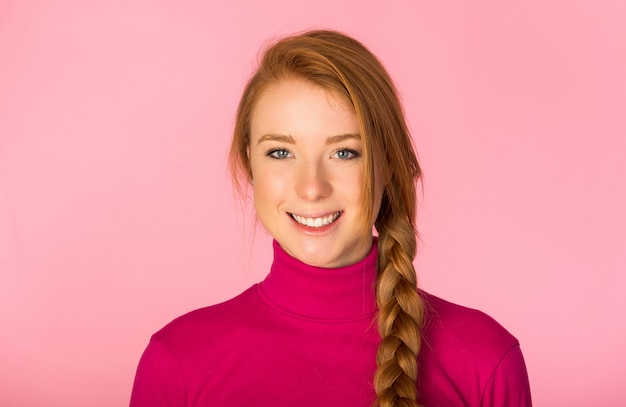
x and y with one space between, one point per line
116 213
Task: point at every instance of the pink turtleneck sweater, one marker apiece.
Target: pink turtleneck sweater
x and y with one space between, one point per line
307 336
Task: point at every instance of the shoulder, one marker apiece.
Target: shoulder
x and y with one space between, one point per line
198 328
469 358
471 330
181 351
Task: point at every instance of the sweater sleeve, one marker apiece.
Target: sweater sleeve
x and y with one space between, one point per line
508 385
157 381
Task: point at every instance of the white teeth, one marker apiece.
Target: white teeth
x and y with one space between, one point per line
316 222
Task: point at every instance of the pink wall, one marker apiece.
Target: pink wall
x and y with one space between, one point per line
116 214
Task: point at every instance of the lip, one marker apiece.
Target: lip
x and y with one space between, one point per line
318 223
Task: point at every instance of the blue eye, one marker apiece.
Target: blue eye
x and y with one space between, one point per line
347 154
278 154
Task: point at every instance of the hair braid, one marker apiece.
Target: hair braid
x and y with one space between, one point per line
400 315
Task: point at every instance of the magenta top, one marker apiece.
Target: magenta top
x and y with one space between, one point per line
307 336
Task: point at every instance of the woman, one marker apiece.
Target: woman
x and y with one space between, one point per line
321 139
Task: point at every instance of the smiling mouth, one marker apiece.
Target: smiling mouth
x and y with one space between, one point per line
316 222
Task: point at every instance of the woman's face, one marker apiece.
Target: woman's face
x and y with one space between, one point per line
305 156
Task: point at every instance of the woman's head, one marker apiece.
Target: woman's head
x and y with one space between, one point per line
306 158
346 69
329 81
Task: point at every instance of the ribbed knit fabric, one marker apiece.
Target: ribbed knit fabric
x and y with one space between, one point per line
307 336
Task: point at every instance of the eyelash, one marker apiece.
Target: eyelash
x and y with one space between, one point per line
353 153
273 153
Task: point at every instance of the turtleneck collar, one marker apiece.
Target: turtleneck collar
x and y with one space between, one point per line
331 294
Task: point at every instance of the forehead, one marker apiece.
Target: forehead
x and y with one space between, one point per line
296 107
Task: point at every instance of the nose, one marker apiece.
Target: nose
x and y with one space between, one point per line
312 183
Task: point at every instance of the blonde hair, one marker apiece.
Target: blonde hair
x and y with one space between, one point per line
346 67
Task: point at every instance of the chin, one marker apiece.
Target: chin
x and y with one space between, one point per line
316 258
311 254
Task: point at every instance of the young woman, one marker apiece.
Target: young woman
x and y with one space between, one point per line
321 139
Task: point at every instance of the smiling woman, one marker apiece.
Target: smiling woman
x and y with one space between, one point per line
321 137
306 162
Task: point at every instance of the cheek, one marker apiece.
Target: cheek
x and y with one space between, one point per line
263 204
262 192
270 189
349 185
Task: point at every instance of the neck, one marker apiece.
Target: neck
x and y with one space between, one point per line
321 293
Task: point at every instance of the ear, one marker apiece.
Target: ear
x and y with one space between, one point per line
250 177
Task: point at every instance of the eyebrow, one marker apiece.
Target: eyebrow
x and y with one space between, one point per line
342 137
276 137
288 139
